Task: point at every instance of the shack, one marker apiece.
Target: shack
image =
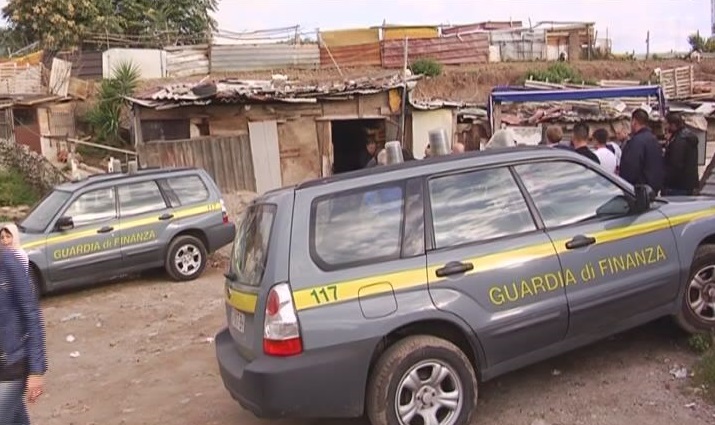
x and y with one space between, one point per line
260 135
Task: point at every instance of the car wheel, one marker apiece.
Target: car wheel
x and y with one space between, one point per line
697 307
186 258
422 380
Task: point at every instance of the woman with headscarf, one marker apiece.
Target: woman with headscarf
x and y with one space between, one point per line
23 361
10 238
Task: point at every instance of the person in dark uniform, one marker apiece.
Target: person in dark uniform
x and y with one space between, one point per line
580 142
681 158
642 156
22 340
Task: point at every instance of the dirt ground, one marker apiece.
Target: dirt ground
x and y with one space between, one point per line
142 353
473 83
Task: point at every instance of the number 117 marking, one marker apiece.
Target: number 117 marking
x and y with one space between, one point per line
325 294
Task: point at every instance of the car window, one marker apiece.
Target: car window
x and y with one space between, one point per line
97 205
250 249
140 198
40 216
477 206
358 226
566 192
188 189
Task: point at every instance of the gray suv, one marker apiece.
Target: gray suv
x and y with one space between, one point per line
394 291
110 225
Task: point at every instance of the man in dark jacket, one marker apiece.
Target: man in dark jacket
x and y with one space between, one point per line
681 158
642 157
580 142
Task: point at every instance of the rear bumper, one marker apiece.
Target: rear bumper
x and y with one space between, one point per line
220 236
327 383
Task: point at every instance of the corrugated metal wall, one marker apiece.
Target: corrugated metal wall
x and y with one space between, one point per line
86 64
185 61
354 47
237 58
227 159
465 49
520 45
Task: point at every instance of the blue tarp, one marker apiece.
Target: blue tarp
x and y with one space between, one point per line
499 95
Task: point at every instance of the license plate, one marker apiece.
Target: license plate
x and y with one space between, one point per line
238 320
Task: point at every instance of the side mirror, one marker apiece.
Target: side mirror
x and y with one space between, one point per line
645 195
64 223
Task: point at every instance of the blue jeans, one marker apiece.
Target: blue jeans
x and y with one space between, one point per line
12 403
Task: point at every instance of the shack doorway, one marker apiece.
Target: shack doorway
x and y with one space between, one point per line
350 139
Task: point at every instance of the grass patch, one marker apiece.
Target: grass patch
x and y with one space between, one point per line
700 343
558 72
427 67
15 191
705 374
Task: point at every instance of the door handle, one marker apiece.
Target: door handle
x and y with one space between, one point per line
105 229
454 267
580 241
166 216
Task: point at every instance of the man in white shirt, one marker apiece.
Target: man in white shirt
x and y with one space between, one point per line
605 155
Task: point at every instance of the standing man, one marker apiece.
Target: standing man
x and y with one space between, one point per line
580 142
606 156
642 157
681 158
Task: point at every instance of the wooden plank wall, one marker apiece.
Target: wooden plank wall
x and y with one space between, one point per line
226 158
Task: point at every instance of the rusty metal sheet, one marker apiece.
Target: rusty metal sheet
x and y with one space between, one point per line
480 26
349 37
347 56
465 49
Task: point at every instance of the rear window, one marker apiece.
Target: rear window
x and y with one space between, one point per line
188 189
357 227
250 249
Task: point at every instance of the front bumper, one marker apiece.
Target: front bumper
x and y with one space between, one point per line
327 383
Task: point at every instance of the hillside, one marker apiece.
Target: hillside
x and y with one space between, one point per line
473 83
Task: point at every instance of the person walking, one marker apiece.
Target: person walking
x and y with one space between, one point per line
10 238
642 156
580 142
23 361
681 158
606 155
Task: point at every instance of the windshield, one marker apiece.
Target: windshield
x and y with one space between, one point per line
40 216
250 250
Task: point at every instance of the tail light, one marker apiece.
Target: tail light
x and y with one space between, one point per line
224 212
281 331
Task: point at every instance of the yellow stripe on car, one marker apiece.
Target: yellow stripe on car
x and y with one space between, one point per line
319 296
242 301
123 225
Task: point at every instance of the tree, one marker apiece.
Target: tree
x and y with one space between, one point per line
697 42
64 23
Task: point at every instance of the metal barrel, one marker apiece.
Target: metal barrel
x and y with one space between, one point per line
439 142
394 152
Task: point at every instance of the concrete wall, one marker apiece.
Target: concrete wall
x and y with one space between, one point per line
425 121
150 62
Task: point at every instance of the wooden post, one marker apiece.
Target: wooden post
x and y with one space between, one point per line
647 46
404 96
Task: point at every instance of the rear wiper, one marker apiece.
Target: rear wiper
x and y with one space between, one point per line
231 276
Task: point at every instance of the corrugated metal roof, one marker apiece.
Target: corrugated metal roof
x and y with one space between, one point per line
260 91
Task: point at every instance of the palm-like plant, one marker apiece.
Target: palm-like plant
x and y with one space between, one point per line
110 111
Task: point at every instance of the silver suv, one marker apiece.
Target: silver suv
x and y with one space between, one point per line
111 225
394 291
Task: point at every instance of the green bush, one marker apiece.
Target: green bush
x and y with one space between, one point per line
428 67
558 72
700 343
15 191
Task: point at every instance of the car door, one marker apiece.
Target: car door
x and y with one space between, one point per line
145 216
625 265
89 251
489 264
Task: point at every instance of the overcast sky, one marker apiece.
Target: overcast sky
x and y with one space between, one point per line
627 21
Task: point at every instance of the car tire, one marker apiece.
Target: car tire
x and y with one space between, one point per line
186 258
421 357
702 270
